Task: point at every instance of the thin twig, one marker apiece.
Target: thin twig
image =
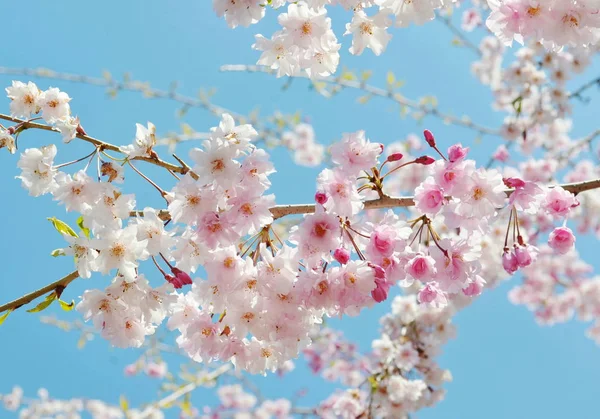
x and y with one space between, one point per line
375 91
101 144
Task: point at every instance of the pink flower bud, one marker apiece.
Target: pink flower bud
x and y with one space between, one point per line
561 240
425 160
395 157
183 277
380 293
513 182
501 154
320 198
341 255
421 267
174 281
80 130
428 294
379 272
130 370
509 262
475 287
429 138
525 255
457 152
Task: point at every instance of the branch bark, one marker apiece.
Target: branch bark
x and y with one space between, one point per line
104 145
26 299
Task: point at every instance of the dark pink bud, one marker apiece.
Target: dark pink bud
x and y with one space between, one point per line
174 281
425 160
457 152
429 138
341 255
395 157
320 198
379 271
513 182
80 130
181 276
382 288
10 130
509 262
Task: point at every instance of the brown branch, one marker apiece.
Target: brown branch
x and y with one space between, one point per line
103 145
26 299
280 211
375 91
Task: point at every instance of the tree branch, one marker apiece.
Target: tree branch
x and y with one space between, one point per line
103 145
375 91
280 211
26 299
185 390
577 92
459 34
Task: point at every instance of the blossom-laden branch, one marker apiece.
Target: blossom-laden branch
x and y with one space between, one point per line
385 202
342 82
57 286
128 85
25 124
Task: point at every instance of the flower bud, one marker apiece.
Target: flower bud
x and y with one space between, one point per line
513 182
457 152
341 255
509 262
320 198
561 240
429 138
181 276
525 255
380 293
475 287
395 157
425 160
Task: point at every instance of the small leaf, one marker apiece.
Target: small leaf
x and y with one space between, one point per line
366 75
391 78
123 403
62 227
44 304
363 99
5 315
67 306
58 252
82 227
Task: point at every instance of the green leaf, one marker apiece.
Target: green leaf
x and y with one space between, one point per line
5 315
58 252
67 306
123 403
363 99
62 227
391 78
44 304
82 227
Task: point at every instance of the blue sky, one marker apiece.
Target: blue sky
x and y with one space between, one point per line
504 365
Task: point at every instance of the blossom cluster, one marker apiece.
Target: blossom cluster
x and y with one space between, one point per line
307 42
